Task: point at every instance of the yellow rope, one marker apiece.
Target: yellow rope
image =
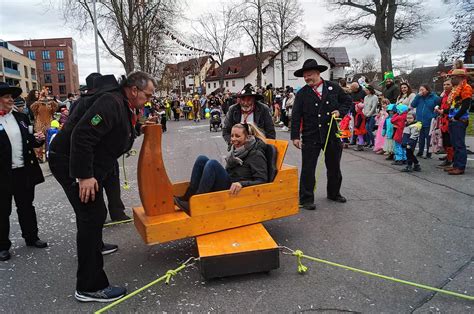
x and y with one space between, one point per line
303 269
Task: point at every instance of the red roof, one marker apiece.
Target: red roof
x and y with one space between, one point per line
237 67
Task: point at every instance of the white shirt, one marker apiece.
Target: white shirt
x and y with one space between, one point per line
283 103
249 118
9 124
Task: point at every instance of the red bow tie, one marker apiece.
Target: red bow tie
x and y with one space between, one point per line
3 112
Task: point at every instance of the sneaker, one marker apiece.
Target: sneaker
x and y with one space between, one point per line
120 217
397 162
407 169
285 128
308 206
108 294
109 248
417 168
183 205
444 164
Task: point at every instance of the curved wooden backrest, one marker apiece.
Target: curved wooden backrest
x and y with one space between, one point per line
281 147
154 186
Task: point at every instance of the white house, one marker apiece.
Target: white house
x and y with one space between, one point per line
294 55
236 72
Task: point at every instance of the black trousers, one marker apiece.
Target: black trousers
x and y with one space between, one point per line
24 195
112 189
411 157
310 153
90 218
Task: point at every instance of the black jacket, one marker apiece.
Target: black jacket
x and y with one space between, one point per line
102 134
391 93
315 113
254 170
261 117
35 175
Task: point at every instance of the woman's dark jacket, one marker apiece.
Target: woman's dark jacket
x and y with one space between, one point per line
254 170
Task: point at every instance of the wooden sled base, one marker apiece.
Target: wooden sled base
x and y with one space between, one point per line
238 251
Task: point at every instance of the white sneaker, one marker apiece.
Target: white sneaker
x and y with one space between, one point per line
285 128
280 123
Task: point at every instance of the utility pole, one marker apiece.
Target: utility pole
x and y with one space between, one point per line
96 37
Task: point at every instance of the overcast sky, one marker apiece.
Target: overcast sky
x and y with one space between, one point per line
30 19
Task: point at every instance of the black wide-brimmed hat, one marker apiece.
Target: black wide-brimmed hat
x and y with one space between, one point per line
310 64
90 82
6 89
249 91
105 83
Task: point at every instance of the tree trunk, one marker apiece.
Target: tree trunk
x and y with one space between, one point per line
282 69
385 54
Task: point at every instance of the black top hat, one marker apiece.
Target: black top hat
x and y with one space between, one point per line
310 64
90 82
249 91
6 89
105 83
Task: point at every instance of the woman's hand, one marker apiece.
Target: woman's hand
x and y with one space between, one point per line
235 188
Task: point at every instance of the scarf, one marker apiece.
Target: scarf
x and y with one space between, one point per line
237 155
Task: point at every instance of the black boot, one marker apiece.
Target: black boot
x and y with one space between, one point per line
417 168
407 169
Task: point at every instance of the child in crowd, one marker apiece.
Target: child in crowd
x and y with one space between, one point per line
344 126
388 133
398 121
411 132
64 116
380 122
359 126
50 134
162 116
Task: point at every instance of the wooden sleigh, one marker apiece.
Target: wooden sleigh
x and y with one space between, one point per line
230 237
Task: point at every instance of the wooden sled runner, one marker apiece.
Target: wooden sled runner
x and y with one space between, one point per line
227 228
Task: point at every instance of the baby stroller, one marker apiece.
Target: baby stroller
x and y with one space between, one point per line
215 122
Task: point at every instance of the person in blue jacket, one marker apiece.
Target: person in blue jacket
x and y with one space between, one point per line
425 102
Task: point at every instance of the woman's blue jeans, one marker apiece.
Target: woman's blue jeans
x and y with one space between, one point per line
208 175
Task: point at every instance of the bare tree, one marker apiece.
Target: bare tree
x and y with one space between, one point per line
254 22
218 30
356 66
385 20
368 64
285 18
462 24
126 28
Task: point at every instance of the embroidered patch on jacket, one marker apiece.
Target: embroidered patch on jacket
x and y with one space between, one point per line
96 120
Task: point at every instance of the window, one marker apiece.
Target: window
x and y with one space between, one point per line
32 54
59 54
60 66
27 86
292 56
208 85
214 85
233 83
26 71
291 75
226 83
62 89
45 54
47 78
46 66
61 78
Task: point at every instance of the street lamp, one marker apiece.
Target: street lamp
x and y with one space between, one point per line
96 37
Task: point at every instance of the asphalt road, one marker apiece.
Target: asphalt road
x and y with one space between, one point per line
416 227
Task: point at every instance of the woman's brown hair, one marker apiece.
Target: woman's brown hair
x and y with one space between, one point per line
250 129
408 87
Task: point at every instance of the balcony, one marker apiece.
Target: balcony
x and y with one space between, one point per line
11 71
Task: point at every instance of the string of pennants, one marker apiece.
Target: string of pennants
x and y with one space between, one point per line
180 54
184 45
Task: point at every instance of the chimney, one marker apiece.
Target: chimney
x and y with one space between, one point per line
241 54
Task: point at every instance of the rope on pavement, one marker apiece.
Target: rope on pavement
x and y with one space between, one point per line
118 222
303 269
167 278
